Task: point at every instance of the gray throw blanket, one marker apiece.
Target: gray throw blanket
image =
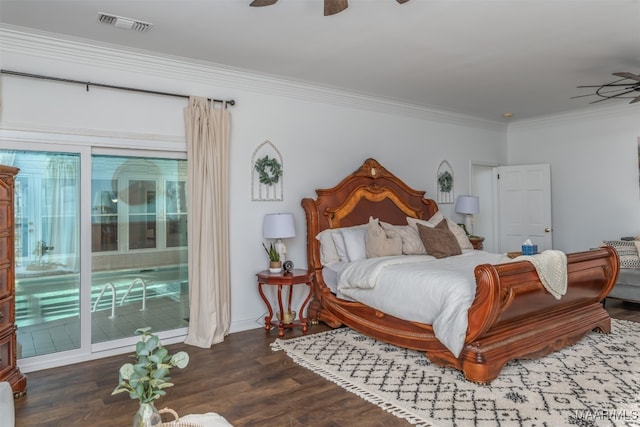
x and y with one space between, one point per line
551 266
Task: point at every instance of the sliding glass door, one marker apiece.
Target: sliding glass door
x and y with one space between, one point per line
132 215
139 237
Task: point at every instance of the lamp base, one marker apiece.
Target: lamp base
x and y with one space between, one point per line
281 248
468 223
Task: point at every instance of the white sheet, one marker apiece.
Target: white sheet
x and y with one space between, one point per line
419 288
330 274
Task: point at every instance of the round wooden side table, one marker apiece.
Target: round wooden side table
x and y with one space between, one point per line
476 241
288 279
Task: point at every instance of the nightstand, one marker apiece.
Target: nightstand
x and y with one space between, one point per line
295 277
476 241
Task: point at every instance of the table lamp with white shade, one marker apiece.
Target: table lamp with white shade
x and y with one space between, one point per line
279 226
469 206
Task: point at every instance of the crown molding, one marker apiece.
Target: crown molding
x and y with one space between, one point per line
613 109
56 47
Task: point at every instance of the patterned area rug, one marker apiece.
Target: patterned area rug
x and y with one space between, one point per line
595 382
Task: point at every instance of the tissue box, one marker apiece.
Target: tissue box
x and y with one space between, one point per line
529 249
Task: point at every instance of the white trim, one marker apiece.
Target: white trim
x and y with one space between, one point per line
85 250
80 137
124 346
26 41
613 109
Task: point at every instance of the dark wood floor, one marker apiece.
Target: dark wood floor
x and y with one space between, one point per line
241 379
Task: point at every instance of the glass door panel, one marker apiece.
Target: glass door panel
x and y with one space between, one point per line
47 242
141 279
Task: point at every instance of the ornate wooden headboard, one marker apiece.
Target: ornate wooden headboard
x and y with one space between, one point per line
369 191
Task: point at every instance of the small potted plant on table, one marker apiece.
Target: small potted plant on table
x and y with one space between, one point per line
275 264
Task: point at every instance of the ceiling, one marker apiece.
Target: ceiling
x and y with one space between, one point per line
475 57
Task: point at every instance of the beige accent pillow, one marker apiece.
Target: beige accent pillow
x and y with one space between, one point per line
461 236
411 243
378 243
439 241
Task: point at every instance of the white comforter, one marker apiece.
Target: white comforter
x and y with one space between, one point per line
419 288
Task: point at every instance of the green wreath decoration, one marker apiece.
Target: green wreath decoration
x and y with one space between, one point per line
270 170
445 181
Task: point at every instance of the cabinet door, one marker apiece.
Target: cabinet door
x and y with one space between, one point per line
7 363
6 314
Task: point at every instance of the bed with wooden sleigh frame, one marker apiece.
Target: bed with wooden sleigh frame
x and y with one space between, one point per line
512 316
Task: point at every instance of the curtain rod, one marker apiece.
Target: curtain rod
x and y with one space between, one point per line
87 84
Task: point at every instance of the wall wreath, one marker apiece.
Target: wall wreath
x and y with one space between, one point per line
267 173
269 170
445 183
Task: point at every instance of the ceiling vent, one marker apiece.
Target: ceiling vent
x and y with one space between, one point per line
122 22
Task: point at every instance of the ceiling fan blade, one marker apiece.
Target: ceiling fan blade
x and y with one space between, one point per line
636 99
331 7
617 95
627 76
258 3
402 1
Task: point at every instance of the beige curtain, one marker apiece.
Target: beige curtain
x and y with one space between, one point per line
207 131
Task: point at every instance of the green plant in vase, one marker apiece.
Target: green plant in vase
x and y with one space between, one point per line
147 378
275 263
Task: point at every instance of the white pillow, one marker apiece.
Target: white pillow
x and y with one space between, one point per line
355 243
328 251
341 248
457 231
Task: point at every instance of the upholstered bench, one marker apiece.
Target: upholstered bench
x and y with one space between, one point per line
627 286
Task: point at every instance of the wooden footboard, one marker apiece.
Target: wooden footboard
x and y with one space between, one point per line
513 315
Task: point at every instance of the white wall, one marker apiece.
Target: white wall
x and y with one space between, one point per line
594 172
322 134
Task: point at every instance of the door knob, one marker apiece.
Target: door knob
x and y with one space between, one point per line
547 230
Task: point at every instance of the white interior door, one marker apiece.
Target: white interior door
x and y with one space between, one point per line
524 206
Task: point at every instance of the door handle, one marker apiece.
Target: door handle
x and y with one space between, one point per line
547 230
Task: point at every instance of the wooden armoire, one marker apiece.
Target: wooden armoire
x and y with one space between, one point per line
8 358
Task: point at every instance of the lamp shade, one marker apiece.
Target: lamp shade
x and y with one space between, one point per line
467 205
278 226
